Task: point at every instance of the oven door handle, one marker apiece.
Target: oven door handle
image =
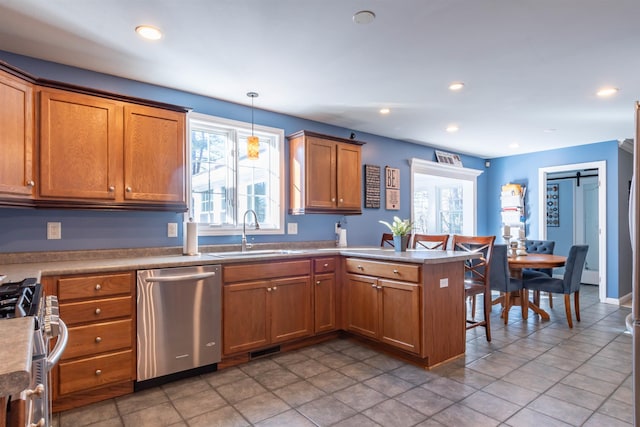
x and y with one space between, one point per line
196 276
56 353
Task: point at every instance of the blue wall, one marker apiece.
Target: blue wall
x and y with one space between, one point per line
523 169
25 229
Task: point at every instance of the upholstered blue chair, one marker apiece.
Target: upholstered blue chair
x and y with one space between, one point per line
500 280
569 284
539 247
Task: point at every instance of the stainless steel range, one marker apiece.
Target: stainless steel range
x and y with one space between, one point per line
26 298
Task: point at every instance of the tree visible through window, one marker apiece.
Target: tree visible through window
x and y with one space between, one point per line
225 183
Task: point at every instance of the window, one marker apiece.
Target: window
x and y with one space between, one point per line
225 183
444 198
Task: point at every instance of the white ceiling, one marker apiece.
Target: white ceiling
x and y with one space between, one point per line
528 66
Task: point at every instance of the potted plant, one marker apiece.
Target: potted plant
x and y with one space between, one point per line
400 228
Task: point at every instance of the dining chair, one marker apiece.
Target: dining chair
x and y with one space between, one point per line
539 247
569 284
387 239
429 241
477 272
500 280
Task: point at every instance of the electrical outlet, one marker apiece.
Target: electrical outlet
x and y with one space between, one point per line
292 228
54 230
172 229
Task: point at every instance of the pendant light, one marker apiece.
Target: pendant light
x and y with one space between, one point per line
253 143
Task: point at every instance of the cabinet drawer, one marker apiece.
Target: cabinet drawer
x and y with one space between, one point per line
102 285
96 310
265 270
324 265
387 270
98 338
95 372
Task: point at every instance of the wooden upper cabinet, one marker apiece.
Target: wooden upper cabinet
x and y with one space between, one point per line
154 154
325 174
103 152
80 146
16 139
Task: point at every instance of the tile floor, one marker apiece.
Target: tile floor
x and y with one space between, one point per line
533 373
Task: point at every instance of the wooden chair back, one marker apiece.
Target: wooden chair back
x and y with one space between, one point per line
430 241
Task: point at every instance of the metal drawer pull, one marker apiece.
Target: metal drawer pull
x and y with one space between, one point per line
318 283
98 287
128 189
98 372
268 289
359 267
378 287
275 288
31 184
98 340
112 189
326 265
98 311
396 271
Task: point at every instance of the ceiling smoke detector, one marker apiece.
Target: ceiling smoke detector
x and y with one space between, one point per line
364 17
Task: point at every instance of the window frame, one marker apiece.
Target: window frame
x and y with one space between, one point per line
239 127
426 167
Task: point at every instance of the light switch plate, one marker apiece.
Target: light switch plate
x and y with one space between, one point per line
292 228
54 230
172 229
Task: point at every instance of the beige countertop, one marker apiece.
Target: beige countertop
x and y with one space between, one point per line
16 340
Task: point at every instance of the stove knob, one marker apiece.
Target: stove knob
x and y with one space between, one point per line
51 326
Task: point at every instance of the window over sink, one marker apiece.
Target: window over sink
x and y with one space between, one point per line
225 183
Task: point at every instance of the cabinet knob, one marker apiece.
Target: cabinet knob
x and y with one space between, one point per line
31 183
268 289
98 287
98 372
378 287
275 288
98 311
326 265
373 285
98 340
333 199
318 283
341 200
128 189
360 267
112 189
395 271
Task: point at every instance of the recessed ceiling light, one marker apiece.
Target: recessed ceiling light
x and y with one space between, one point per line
452 128
514 145
607 91
456 86
385 111
549 130
364 17
148 32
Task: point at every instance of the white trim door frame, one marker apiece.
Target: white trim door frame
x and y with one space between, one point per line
602 213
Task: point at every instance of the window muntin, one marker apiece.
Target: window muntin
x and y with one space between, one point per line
225 183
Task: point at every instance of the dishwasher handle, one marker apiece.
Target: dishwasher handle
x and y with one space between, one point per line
180 278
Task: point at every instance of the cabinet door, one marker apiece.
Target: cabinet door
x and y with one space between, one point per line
349 177
245 311
321 178
324 290
154 154
400 314
362 305
16 137
80 146
290 308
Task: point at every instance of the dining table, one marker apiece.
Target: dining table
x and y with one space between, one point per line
519 262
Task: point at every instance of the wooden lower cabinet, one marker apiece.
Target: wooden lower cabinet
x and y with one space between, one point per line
324 294
100 359
260 313
385 310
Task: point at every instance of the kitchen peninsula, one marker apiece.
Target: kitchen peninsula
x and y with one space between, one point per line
408 304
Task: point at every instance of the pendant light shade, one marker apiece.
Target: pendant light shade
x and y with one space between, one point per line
253 142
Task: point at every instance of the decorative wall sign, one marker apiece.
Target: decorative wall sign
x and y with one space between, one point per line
371 186
553 205
392 184
448 158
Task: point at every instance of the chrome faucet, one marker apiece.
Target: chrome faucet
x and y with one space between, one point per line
244 228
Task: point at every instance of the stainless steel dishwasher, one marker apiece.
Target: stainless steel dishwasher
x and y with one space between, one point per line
179 321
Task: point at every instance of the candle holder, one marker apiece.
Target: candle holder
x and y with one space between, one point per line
521 249
511 246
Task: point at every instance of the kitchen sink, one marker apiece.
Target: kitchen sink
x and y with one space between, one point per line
257 252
